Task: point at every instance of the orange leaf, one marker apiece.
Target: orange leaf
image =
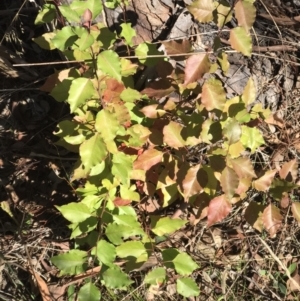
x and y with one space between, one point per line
272 220
196 66
296 211
190 184
264 182
243 167
289 171
219 207
147 159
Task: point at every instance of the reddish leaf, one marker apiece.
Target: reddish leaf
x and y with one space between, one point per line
218 209
151 111
196 66
112 91
296 211
264 182
285 200
272 220
229 181
243 167
121 202
177 47
289 171
147 159
159 89
190 184
87 16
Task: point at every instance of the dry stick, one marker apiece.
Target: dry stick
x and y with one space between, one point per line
295 283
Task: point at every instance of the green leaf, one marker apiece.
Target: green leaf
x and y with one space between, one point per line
251 138
46 15
81 90
116 233
64 38
187 287
89 292
44 41
240 40
182 262
85 41
109 62
70 14
128 33
130 95
75 212
105 252
232 131
144 51
156 276
122 167
94 6
129 193
112 125
115 278
92 152
130 248
70 263
166 225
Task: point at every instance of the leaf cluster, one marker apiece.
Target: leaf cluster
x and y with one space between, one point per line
135 142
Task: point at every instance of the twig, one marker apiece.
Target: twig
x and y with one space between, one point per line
281 264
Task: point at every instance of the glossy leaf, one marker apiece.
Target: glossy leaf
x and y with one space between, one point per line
70 263
128 33
89 292
108 61
187 287
251 138
122 166
166 225
272 220
196 66
75 212
213 95
92 152
219 207
240 40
